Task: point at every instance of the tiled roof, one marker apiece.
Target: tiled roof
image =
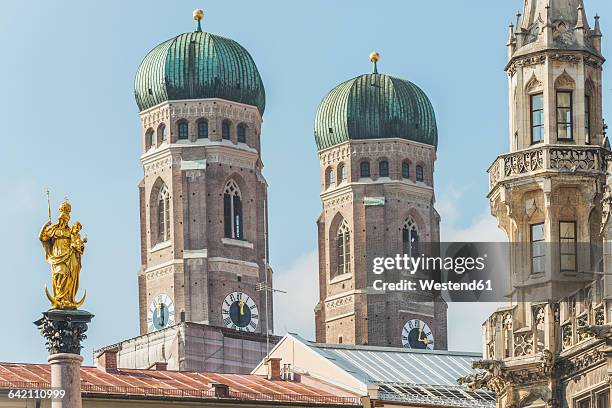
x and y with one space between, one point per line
175 384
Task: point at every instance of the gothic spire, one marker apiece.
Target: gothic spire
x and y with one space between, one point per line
565 10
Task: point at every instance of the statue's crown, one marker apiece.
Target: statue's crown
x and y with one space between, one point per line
65 207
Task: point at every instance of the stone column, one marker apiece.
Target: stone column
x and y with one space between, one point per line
64 331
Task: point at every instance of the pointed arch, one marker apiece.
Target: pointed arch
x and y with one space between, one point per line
343 249
232 211
565 81
159 212
410 237
534 85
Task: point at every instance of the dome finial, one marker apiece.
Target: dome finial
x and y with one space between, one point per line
374 57
198 15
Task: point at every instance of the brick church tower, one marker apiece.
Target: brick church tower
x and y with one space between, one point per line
203 208
377 137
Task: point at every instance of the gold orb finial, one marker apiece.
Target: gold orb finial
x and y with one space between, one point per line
374 57
198 14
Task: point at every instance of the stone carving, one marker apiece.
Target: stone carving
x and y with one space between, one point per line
565 81
573 159
521 163
603 332
523 344
494 174
606 202
566 333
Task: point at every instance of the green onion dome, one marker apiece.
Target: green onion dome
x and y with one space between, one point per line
199 65
375 106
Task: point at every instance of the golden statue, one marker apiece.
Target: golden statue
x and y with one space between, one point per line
63 247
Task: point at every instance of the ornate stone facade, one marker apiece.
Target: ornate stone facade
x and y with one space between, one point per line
551 347
374 210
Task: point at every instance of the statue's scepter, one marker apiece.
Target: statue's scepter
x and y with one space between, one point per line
49 203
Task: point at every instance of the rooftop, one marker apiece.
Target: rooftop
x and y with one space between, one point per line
160 384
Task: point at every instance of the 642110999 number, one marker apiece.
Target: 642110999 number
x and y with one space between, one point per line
34 393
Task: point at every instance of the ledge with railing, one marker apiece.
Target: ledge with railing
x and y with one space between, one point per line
548 158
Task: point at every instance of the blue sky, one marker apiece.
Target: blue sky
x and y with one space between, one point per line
71 125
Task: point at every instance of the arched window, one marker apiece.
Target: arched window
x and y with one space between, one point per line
161 133
419 173
383 168
406 170
241 133
183 130
202 129
410 238
343 249
232 211
364 169
330 177
225 130
149 139
341 173
163 214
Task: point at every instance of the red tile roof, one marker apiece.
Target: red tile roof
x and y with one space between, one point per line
175 384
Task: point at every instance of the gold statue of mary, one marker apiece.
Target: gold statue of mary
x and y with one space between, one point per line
63 247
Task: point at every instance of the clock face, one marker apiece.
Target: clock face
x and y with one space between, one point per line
239 312
416 334
161 313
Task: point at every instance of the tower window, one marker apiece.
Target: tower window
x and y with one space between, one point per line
149 139
232 211
343 249
241 133
183 131
383 168
364 169
567 241
341 173
202 129
538 248
419 173
587 118
406 170
603 399
564 116
225 130
163 214
330 177
161 133
410 238
537 118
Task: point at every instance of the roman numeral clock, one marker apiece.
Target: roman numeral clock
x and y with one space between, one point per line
240 312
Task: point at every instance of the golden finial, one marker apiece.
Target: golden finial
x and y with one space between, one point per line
198 15
374 57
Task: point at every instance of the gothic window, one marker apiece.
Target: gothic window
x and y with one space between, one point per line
537 118
587 118
538 248
232 211
568 246
342 176
419 173
202 129
564 115
364 169
410 238
149 139
343 249
585 403
330 177
163 214
161 133
241 133
183 130
406 170
225 130
383 168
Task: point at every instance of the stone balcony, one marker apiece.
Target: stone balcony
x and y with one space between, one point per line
543 159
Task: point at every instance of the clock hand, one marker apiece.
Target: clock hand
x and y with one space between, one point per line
421 340
241 307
